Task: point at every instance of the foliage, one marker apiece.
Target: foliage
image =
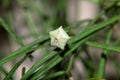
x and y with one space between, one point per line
47 67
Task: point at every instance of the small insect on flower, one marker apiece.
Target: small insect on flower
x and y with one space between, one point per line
59 37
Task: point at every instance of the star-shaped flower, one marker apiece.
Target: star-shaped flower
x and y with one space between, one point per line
59 37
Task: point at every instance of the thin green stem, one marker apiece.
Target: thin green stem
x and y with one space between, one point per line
93 29
9 76
11 33
25 49
70 63
57 74
3 70
75 46
31 24
103 46
48 66
38 64
96 18
101 67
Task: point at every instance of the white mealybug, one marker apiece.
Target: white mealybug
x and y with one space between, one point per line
59 37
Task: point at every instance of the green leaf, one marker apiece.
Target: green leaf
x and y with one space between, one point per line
25 49
47 67
103 46
14 69
31 24
38 64
101 67
60 73
11 33
92 30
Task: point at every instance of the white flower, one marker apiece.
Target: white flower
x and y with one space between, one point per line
59 37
